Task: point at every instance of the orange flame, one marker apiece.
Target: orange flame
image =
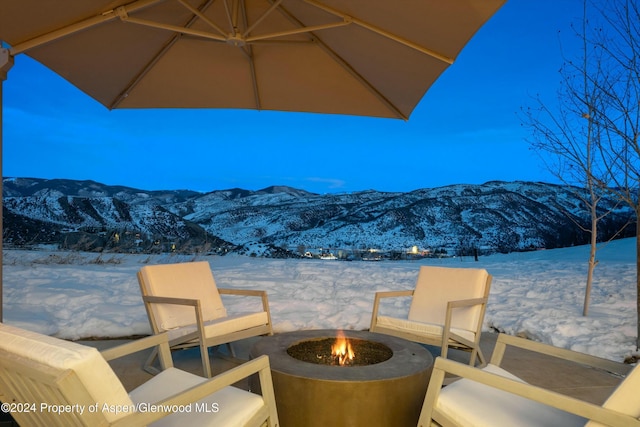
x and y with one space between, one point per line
342 350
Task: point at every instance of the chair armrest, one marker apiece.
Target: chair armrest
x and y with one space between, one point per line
252 293
466 302
259 365
376 303
169 300
152 299
505 340
161 341
388 294
248 293
448 334
393 294
242 292
463 303
528 391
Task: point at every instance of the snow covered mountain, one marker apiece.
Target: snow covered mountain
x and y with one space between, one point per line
496 216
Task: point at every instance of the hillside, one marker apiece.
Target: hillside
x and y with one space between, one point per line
493 217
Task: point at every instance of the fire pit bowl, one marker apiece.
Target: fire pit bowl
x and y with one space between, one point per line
388 393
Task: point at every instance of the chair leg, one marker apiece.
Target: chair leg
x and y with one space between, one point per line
443 351
481 358
231 350
206 363
476 352
472 357
148 364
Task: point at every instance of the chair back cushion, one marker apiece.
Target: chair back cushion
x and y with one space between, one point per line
192 280
90 367
436 286
625 397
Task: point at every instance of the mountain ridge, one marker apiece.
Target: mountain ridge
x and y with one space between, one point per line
493 217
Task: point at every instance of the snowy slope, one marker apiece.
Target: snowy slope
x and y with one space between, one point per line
496 216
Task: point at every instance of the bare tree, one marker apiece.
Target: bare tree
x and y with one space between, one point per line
603 88
567 135
619 116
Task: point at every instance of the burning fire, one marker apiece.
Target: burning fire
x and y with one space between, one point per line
342 350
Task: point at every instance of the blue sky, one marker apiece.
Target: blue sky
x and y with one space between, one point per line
466 129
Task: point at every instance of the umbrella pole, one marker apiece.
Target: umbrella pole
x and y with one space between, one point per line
6 62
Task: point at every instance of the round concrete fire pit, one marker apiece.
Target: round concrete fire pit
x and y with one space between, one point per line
389 393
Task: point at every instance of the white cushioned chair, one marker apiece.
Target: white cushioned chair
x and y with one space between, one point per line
53 382
447 310
183 300
492 396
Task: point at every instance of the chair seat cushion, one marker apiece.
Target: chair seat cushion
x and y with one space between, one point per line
406 325
228 407
223 326
474 404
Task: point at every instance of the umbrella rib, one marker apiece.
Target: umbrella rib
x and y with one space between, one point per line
268 12
201 15
346 66
78 26
252 65
265 42
382 32
174 38
173 28
232 15
297 31
125 93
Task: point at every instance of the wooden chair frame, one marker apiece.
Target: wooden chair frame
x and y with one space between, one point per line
30 382
431 416
198 337
448 338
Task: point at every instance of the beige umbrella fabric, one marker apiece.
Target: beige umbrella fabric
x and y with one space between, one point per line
355 57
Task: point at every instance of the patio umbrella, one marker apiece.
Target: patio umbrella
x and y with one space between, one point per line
354 57
361 57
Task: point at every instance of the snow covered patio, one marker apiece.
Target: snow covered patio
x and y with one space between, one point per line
537 294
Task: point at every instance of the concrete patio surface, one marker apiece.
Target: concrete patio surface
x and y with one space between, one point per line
588 384
562 376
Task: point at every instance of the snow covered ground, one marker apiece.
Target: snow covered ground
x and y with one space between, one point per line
540 294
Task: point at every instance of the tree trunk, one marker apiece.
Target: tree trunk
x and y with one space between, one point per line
638 280
592 262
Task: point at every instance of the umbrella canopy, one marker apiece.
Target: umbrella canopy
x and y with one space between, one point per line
356 57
